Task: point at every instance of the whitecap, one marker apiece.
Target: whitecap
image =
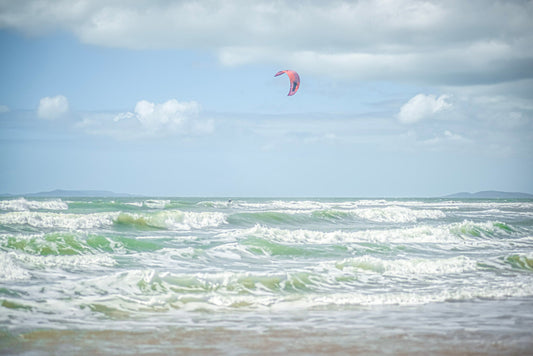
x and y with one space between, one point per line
397 214
68 261
408 268
22 204
418 234
156 204
458 293
9 269
58 220
174 219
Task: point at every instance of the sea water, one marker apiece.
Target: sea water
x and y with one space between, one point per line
265 276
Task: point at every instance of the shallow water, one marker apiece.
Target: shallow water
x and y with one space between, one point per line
268 276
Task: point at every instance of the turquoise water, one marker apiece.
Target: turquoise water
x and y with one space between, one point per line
267 276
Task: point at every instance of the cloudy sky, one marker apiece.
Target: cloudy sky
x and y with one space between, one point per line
398 97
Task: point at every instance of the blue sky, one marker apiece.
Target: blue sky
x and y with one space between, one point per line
178 98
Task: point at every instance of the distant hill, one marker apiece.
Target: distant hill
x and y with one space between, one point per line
490 194
78 194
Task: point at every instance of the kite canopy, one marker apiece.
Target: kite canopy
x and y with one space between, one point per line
294 78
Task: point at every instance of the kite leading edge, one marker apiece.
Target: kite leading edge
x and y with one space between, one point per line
294 78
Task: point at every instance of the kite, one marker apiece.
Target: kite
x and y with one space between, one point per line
294 78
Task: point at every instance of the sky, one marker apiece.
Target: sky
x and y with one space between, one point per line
398 98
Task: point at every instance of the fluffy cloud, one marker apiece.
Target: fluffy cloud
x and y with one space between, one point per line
149 119
439 42
52 107
422 107
168 116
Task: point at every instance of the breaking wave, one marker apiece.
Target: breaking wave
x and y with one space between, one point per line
390 214
58 220
172 220
22 204
448 233
396 214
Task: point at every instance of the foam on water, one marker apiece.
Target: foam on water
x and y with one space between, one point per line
58 220
411 298
391 214
304 205
173 219
397 214
408 268
22 204
455 233
337 284
156 203
9 270
84 262
344 204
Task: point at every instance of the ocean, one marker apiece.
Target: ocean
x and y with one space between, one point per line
265 276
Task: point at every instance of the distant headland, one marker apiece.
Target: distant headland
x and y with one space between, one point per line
490 194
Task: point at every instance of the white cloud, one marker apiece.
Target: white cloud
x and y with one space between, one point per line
169 116
431 41
149 119
446 137
52 107
422 107
4 108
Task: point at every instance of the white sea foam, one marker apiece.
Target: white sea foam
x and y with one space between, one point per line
454 235
218 204
149 289
58 220
9 269
312 205
397 214
22 204
401 211
175 219
156 204
68 261
409 268
205 219
150 203
372 210
412 298
418 234
229 251
306 205
381 210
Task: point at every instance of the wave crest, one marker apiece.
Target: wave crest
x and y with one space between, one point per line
58 220
172 220
408 268
22 204
397 214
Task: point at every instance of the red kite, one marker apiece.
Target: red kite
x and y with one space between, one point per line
294 78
